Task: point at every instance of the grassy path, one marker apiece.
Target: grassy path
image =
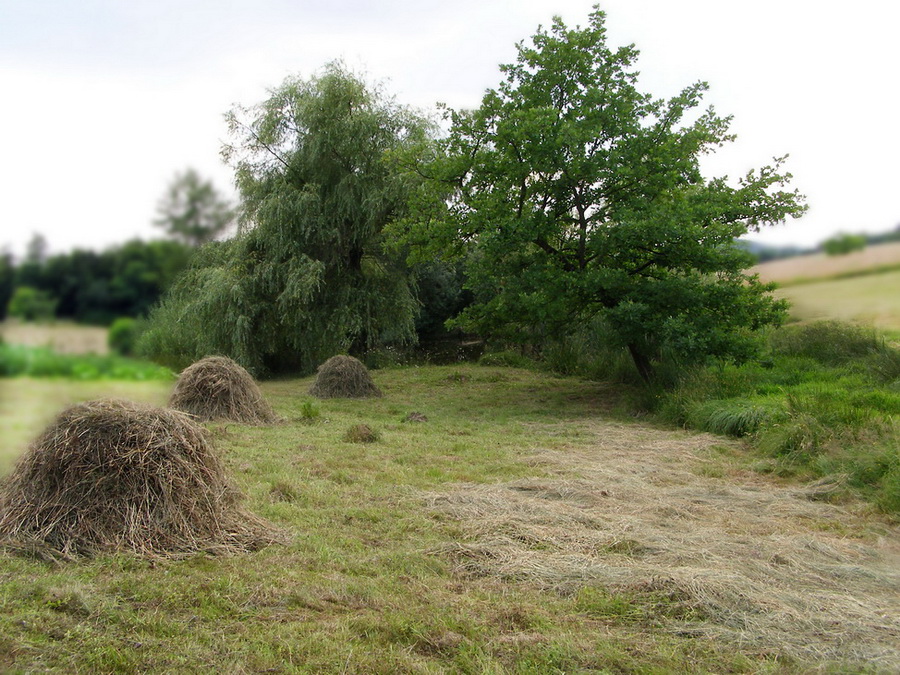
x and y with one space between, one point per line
525 527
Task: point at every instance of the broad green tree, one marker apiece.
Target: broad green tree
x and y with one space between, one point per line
307 277
842 244
573 195
192 210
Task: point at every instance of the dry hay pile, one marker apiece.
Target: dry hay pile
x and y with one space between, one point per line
764 567
217 388
343 377
114 475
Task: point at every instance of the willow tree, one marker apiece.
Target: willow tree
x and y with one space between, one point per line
307 275
573 195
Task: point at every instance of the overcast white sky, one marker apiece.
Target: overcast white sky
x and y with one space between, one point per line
103 101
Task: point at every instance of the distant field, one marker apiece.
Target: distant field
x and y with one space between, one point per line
839 287
872 299
64 337
819 265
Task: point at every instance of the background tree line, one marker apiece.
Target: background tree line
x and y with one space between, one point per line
568 199
122 281
89 286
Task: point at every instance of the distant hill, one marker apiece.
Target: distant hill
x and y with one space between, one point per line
767 252
813 265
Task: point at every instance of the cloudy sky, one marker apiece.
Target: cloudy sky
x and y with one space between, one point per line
104 101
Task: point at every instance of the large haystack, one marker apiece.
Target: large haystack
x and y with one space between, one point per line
114 475
343 377
217 388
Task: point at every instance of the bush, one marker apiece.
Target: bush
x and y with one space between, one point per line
123 336
31 304
842 244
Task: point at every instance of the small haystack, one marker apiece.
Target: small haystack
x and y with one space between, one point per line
217 388
113 475
343 377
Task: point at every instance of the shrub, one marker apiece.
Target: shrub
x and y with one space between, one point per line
123 336
507 359
842 244
31 304
43 362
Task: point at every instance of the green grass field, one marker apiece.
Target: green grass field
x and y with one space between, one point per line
526 527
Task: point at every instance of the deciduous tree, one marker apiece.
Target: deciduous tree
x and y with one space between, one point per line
192 210
573 195
307 277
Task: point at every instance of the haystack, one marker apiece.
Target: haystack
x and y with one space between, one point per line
217 388
114 475
343 377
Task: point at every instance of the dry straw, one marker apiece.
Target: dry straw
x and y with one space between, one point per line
765 567
343 377
113 475
216 388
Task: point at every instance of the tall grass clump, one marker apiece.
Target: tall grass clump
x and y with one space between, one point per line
591 352
831 343
823 401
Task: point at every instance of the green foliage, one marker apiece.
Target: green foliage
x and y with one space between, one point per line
590 350
42 362
842 244
827 342
823 403
192 210
31 304
93 287
123 336
309 411
731 417
572 195
7 282
308 276
441 295
508 359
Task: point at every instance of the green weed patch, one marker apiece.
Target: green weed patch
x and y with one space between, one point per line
823 403
18 361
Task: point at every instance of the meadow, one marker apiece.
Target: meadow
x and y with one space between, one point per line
863 287
526 523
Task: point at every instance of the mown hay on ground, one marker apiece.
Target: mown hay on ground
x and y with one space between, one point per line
114 475
343 377
217 388
746 562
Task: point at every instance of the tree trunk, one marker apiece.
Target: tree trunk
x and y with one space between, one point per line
642 363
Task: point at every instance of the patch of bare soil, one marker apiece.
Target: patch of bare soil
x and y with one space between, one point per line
742 560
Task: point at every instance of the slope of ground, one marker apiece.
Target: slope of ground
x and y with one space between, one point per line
515 523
